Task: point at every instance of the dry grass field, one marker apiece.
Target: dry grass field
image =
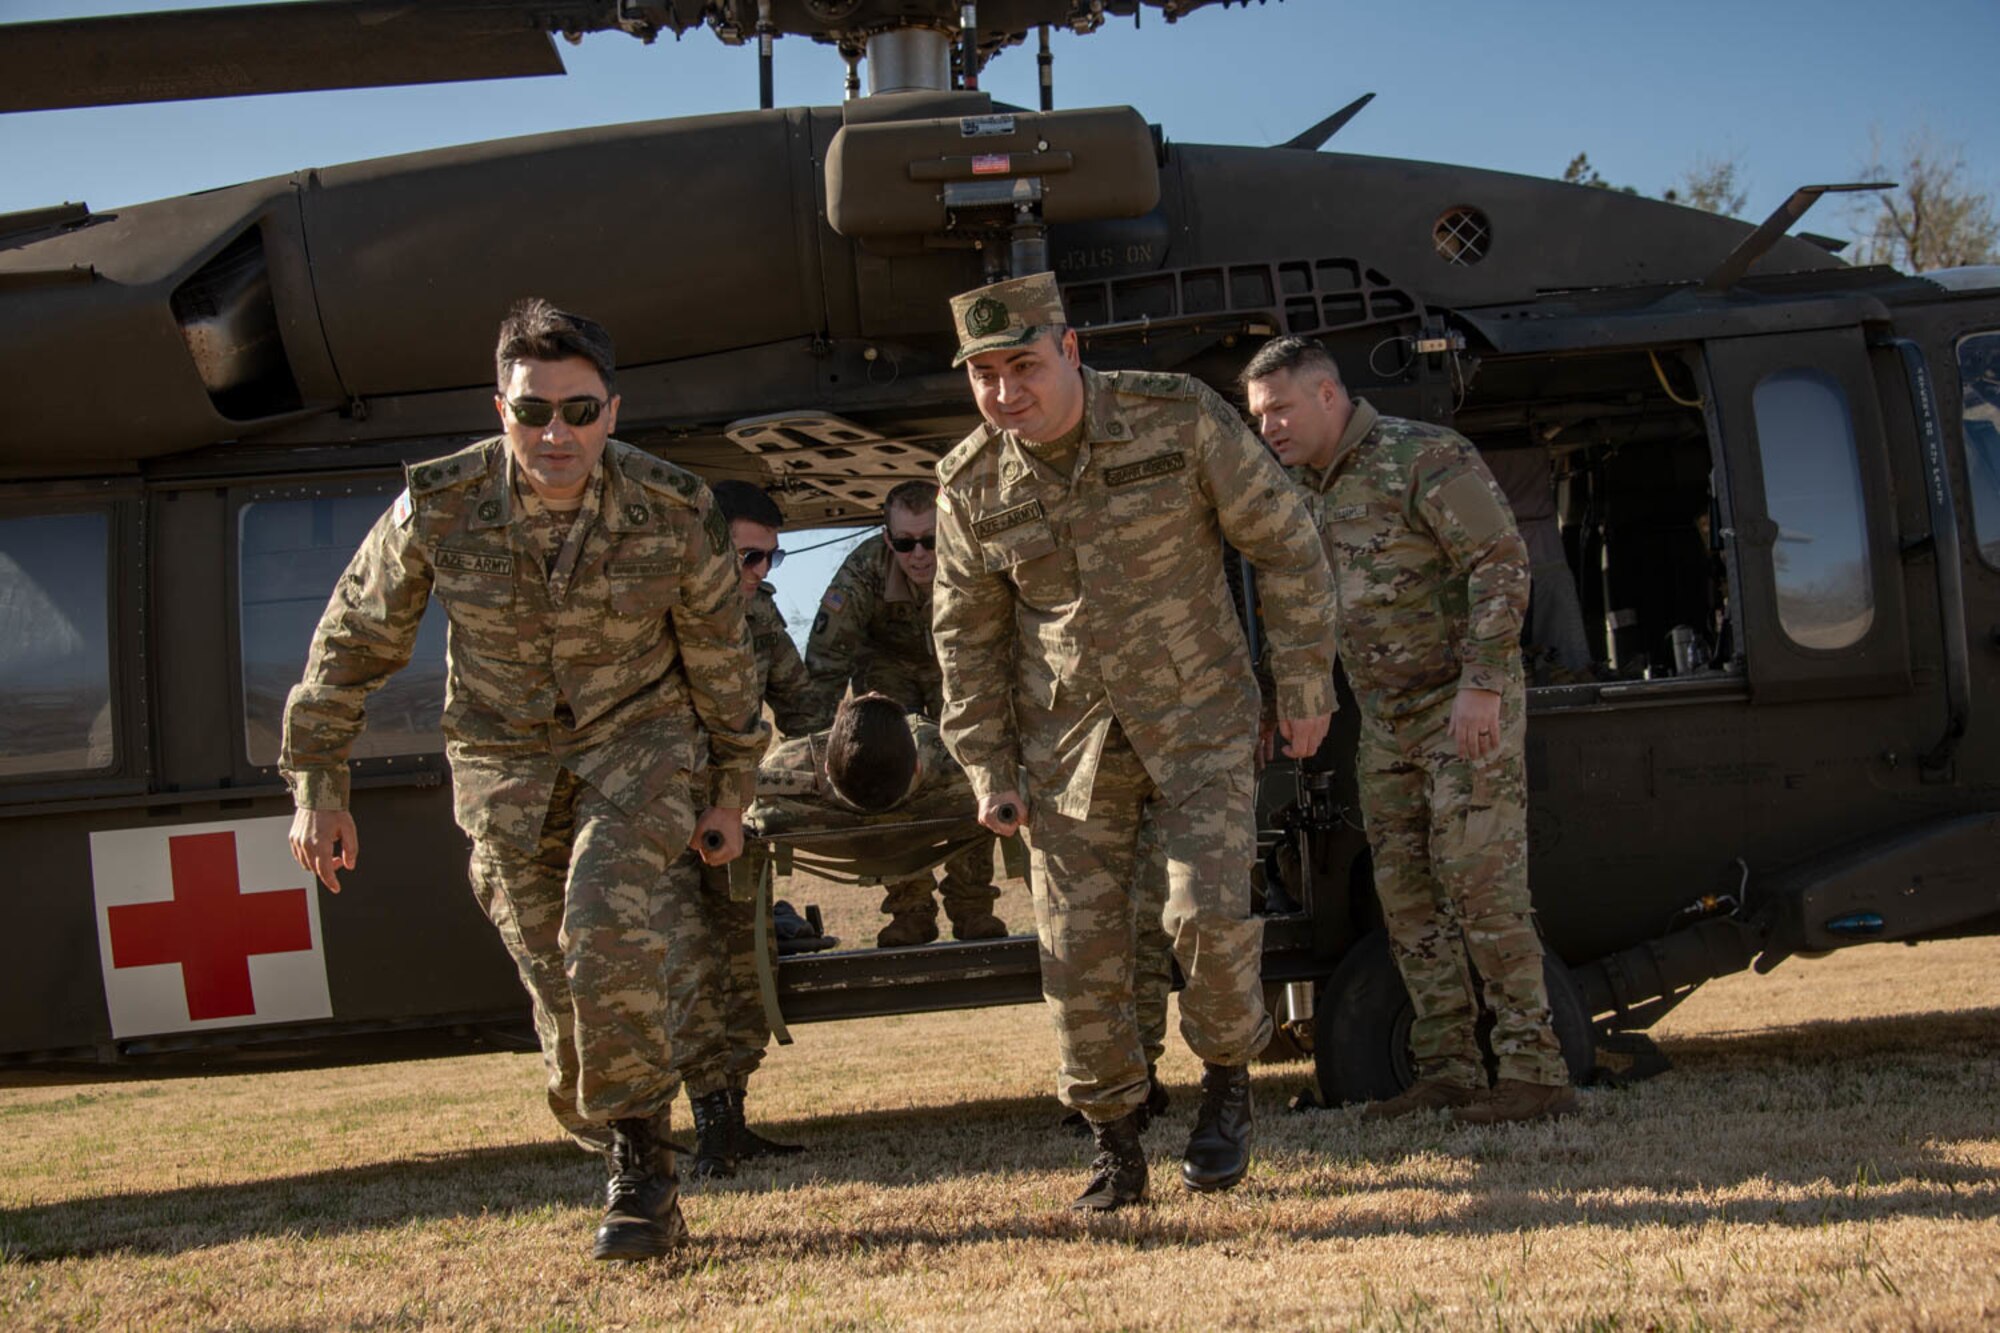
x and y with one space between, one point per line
1824 1154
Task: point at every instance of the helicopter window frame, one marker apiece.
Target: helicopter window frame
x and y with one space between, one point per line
1982 486
118 504
367 758
1783 476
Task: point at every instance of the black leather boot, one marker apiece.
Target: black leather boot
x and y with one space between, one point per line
642 1213
749 1143
714 1135
1118 1172
1218 1151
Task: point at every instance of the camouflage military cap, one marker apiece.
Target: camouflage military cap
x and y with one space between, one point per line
1006 314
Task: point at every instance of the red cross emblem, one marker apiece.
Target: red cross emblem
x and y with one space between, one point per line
210 926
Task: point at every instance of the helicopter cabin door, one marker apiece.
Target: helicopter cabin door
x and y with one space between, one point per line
1816 581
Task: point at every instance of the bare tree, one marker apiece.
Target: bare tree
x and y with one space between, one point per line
1580 172
1935 218
1712 184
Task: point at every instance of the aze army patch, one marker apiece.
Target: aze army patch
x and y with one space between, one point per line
473 562
1160 465
995 524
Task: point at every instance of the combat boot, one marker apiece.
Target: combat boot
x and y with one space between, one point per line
749 1143
977 925
1514 1099
1118 1172
907 929
642 1214
1426 1094
1218 1151
714 1135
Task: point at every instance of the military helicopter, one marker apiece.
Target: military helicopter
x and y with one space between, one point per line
1772 480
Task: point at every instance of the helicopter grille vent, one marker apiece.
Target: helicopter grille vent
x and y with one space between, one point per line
1462 235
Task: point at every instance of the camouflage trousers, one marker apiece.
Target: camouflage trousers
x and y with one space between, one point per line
967 887
719 1036
587 917
1087 876
1450 844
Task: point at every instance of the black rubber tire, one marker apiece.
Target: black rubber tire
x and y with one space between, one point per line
1361 1032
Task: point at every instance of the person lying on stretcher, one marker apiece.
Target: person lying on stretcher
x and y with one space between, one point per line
879 765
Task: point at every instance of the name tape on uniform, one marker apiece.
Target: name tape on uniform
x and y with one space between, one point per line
1159 465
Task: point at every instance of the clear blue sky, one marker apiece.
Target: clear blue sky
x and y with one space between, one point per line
1791 89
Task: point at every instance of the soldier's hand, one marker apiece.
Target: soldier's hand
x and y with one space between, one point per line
1003 812
1303 735
718 835
1475 722
325 843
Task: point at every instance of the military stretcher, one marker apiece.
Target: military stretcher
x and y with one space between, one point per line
864 855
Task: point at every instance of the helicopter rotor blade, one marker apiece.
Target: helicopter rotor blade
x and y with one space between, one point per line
268 48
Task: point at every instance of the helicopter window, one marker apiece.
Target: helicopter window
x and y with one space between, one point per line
1812 490
1979 382
55 644
290 553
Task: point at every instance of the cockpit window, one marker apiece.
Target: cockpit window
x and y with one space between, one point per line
1979 383
291 553
1812 491
55 644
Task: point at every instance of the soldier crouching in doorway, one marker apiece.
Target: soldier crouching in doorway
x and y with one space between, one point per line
598 697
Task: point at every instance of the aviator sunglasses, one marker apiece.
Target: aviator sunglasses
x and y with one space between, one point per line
753 556
905 545
540 411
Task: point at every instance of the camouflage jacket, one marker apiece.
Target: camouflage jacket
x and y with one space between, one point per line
1064 603
780 679
633 671
1431 572
793 793
874 627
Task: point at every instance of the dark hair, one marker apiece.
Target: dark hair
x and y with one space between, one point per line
741 499
1289 353
871 757
534 330
912 497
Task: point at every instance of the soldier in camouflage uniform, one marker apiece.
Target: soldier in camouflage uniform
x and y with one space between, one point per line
1087 637
720 1035
598 696
874 629
1433 580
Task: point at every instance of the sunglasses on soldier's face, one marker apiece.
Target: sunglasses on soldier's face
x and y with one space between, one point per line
753 556
540 411
905 545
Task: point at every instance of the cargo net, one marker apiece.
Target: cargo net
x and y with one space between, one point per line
830 466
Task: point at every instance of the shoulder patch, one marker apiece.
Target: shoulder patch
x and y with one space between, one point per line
657 474
717 528
403 510
964 452
468 464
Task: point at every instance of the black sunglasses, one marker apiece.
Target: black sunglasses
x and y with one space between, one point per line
753 556
540 411
905 545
